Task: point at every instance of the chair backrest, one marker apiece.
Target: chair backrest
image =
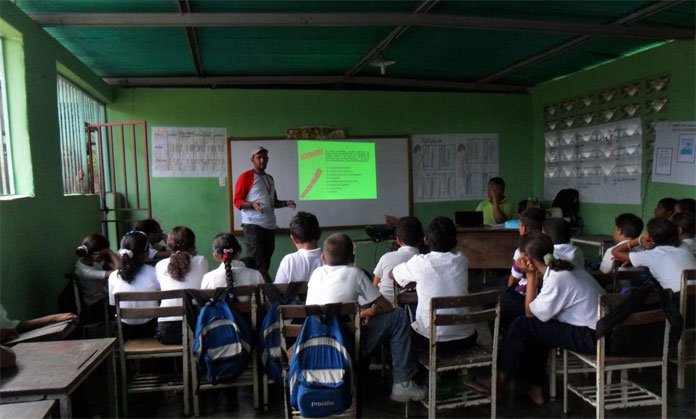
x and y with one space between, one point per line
147 312
687 297
282 289
475 314
247 307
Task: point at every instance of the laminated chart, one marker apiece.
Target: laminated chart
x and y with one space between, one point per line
603 162
189 152
674 159
453 167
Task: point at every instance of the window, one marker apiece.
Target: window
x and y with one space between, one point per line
6 181
76 109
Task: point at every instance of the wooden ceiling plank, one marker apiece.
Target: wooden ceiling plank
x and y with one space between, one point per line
354 19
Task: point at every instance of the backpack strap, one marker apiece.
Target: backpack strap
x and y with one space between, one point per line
201 299
607 323
325 312
271 293
275 296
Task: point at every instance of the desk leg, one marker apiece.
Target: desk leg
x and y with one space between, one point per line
112 386
65 406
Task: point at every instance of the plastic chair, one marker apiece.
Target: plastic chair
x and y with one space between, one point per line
475 356
625 393
685 354
149 348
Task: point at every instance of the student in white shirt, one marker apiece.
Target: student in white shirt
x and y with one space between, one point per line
441 273
298 266
226 249
685 223
339 282
562 315
182 270
409 234
133 276
662 254
560 231
627 226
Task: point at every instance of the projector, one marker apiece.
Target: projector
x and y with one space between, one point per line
381 232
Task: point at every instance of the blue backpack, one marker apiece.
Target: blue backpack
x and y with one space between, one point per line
222 342
269 335
321 370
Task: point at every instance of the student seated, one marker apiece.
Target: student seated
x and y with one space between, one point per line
441 273
10 330
183 269
226 249
563 314
156 250
665 208
409 234
95 262
685 205
627 227
298 266
662 254
686 227
338 282
560 231
133 276
496 208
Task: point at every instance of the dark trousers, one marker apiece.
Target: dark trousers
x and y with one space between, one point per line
260 244
169 333
528 341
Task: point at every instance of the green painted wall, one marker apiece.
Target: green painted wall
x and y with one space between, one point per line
40 227
676 59
202 204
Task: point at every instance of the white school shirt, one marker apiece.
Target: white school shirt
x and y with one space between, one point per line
666 264
568 296
690 245
436 274
340 284
607 265
520 276
198 268
298 266
91 281
242 276
145 280
571 253
387 263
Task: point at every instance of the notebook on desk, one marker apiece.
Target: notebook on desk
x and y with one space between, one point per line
468 218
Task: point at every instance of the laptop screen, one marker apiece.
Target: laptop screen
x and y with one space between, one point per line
468 218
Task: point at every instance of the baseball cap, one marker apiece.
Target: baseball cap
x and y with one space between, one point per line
258 150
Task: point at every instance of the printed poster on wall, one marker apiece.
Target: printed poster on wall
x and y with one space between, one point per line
673 161
453 167
189 152
603 162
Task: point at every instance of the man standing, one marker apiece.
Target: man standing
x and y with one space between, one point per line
255 197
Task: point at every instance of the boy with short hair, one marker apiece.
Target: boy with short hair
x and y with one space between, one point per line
560 231
687 229
665 208
685 205
409 233
298 266
496 207
338 282
627 226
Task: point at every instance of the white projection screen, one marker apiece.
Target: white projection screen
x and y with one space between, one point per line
393 181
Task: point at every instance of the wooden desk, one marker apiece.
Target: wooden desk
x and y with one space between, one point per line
40 409
488 247
599 240
53 370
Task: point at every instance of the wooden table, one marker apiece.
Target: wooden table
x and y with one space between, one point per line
41 409
599 240
488 247
53 370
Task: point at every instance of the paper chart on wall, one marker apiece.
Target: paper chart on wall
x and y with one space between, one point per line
603 162
189 152
453 167
674 160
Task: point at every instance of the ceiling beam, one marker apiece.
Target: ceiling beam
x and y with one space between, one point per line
628 19
245 81
155 20
184 8
424 7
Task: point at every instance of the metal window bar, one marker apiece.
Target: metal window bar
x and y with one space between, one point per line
6 172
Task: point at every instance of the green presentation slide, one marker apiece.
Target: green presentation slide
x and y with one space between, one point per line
332 170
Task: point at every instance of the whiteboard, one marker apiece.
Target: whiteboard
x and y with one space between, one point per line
393 168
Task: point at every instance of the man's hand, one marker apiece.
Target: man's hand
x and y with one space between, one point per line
291 204
257 206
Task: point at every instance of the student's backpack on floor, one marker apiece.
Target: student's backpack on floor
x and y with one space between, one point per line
320 370
222 341
269 335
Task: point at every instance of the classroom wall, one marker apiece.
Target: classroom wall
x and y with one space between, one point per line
676 59
40 227
203 204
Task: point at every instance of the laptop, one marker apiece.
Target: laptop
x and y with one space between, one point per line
468 218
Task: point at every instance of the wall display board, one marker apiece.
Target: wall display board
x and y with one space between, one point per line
673 160
603 162
345 183
188 152
453 167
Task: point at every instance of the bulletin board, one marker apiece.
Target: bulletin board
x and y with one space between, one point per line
674 154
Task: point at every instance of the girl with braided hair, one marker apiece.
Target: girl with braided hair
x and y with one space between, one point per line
226 249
